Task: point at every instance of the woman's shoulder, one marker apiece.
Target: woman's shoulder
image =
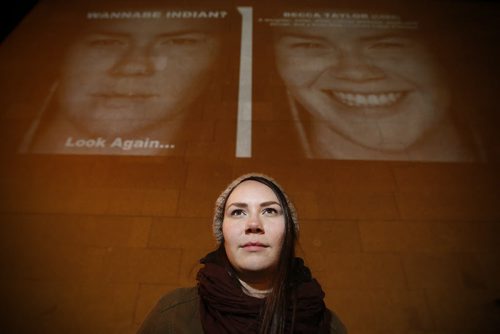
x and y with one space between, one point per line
176 312
177 298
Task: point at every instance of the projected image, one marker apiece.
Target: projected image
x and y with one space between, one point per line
134 85
365 87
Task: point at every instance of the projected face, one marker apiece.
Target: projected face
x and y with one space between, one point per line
125 76
373 87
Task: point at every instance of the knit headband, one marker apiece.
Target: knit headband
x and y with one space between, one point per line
221 203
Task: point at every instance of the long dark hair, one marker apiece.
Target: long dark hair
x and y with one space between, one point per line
274 313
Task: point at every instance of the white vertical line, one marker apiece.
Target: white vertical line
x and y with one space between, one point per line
244 124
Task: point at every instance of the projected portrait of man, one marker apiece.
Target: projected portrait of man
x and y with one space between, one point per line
133 75
131 86
359 92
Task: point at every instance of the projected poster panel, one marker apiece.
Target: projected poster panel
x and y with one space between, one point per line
362 84
139 79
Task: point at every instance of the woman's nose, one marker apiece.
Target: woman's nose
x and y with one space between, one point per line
135 61
353 65
254 225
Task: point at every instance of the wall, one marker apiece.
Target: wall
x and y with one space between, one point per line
89 243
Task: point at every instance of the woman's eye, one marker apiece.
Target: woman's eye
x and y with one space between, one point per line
270 211
237 212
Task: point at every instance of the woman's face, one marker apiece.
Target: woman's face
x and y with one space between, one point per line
126 75
378 88
253 228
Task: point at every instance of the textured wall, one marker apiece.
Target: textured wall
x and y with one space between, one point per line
90 245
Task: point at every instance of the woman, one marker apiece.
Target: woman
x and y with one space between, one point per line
252 283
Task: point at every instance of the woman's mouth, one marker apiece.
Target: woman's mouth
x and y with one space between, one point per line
366 100
254 246
123 100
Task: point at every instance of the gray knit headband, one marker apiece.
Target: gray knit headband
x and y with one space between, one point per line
221 203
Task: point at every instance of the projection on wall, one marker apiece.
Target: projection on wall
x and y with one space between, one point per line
370 84
332 83
146 81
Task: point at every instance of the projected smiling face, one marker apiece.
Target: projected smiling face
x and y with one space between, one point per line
377 88
125 76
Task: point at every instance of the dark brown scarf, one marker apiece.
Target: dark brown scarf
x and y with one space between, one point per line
224 308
